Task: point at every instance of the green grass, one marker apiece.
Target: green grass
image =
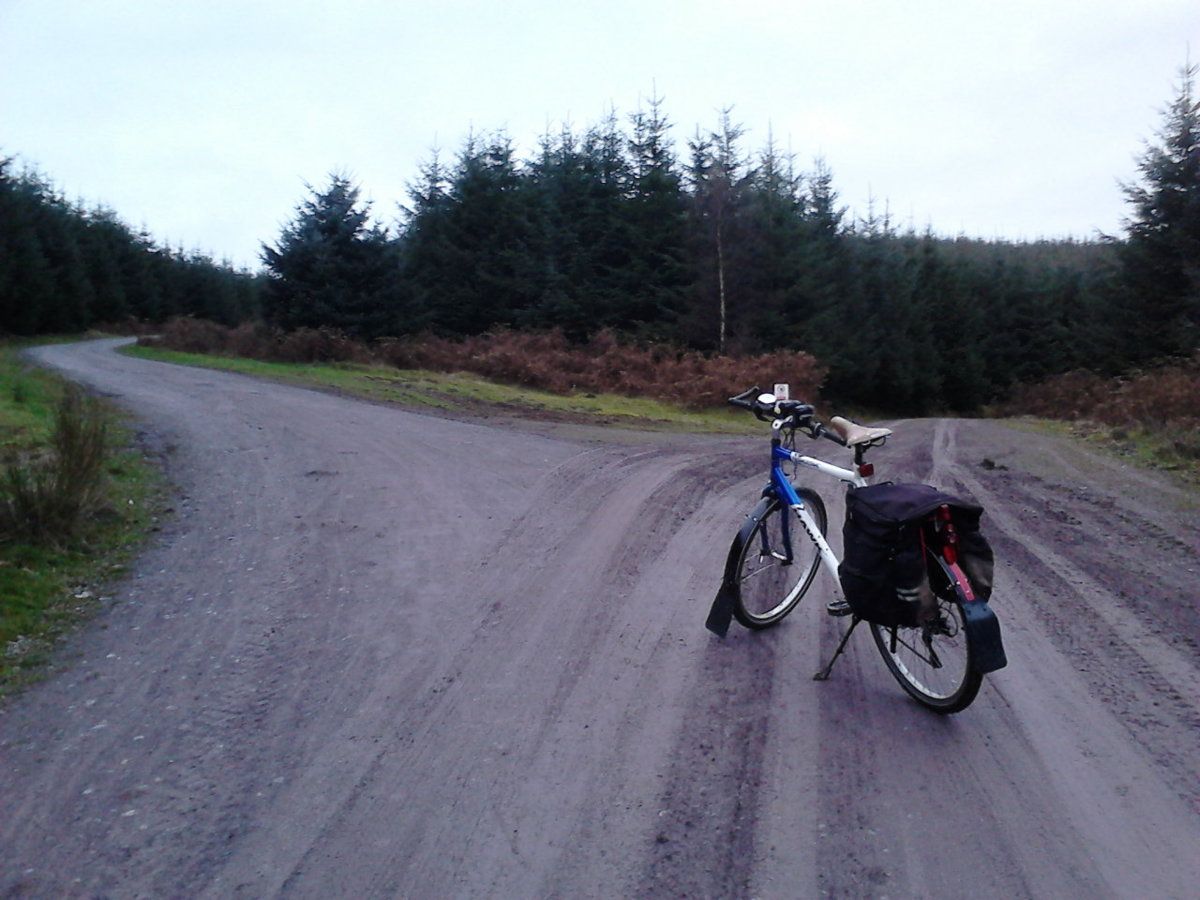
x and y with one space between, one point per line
1177 452
46 589
465 393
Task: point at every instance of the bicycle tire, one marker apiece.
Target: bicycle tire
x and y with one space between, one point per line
909 654
768 588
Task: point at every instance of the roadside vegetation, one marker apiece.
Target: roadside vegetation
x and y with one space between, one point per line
543 361
1151 416
75 500
466 394
619 231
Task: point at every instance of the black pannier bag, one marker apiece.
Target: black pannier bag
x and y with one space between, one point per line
883 570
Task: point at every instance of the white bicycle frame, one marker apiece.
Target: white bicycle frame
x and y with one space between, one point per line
783 487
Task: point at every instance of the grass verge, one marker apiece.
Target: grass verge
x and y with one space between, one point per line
469 394
1162 450
46 587
472 394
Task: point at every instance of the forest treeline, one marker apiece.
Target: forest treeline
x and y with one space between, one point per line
66 268
708 247
723 251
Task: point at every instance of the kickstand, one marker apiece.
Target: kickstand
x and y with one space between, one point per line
823 675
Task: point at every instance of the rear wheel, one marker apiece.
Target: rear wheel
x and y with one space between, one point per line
932 661
768 585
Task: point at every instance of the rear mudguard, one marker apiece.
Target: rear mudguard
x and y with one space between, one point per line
981 624
721 612
983 636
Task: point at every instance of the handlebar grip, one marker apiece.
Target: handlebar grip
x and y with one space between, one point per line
744 398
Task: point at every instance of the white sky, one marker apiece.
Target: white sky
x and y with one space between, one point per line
203 119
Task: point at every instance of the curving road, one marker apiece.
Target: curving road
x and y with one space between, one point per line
377 653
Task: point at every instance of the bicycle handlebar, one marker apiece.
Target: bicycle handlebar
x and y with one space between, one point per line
796 410
795 413
743 399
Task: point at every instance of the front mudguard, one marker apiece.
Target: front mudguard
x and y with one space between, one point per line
721 613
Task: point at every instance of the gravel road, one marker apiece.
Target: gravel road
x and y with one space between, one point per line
376 653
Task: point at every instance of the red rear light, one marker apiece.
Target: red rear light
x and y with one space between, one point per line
950 554
866 470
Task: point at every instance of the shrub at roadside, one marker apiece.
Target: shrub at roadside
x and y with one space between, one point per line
45 497
75 501
1163 403
545 360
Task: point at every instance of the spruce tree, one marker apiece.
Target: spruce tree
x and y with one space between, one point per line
774 244
486 266
657 277
424 246
719 179
26 275
813 305
1161 256
331 266
577 187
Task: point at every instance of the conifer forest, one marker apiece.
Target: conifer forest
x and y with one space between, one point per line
700 244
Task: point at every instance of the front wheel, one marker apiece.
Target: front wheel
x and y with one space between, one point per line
770 581
932 661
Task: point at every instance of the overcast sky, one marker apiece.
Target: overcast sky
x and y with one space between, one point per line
203 119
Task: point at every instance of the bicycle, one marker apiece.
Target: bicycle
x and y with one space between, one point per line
940 661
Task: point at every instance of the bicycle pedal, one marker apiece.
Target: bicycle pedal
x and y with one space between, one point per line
838 608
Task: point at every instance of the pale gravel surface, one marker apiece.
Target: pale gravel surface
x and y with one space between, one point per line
382 654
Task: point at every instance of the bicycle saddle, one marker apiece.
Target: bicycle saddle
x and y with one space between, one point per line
854 434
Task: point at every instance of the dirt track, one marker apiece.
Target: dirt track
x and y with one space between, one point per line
384 654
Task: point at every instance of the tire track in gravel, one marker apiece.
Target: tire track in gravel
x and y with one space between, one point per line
215 750
710 805
894 781
534 684
380 654
1013 785
1149 680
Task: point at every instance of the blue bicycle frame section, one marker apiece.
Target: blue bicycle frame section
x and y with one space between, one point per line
783 490
779 482
779 489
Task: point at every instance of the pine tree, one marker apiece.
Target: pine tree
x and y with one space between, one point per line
657 277
1161 257
424 246
774 242
331 266
719 180
486 267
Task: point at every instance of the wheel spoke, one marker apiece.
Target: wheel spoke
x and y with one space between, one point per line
761 568
770 581
932 662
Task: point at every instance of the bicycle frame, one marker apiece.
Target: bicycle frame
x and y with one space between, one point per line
783 490
765 544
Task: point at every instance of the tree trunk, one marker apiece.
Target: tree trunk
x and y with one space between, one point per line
721 290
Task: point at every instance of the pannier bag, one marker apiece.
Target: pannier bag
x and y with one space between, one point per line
883 571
